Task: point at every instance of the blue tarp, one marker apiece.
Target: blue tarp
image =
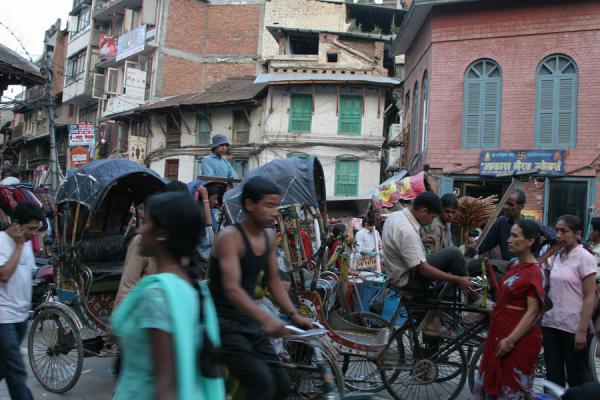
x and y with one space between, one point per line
300 182
85 185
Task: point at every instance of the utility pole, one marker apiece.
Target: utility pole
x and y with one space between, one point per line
54 168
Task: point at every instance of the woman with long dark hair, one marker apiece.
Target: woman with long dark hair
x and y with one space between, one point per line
514 338
167 323
566 327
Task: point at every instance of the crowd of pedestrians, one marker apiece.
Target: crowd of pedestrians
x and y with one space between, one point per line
176 332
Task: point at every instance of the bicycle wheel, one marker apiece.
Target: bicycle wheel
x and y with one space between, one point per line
55 350
539 371
594 359
305 383
361 372
410 370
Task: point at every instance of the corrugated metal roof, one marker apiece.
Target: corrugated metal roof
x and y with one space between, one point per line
337 78
20 65
232 90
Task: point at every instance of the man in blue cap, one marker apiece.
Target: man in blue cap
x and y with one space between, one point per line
216 164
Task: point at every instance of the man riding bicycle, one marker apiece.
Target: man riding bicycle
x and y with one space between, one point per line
240 255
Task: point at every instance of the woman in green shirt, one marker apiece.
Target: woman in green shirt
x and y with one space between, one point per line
167 326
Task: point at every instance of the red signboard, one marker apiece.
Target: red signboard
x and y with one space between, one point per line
80 156
107 47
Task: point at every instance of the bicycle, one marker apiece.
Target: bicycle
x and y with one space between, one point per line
418 366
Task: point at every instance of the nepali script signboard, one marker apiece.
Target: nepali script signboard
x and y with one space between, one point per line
543 162
81 135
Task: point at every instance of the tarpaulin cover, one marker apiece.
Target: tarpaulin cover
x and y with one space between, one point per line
399 187
300 182
86 185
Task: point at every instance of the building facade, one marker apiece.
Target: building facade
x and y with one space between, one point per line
491 88
29 147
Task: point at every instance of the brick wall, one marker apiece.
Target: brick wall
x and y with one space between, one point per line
213 43
306 14
517 38
59 70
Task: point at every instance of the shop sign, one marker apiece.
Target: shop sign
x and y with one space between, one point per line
542 162
81 135
131 42
137 148
135 85
107 47
80 156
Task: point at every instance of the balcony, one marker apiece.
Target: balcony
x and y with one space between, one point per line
78 91
104 9
77 4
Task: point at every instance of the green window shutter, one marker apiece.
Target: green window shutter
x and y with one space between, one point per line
350 118
565 126
346 177
546 107
471 116
300 112
482 101
556 103
491 114
300 155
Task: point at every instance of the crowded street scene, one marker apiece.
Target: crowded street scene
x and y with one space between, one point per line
299 199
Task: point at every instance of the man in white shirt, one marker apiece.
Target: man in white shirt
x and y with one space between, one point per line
406 263
16 264
367 239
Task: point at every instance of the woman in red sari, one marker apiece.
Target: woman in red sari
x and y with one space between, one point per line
514 336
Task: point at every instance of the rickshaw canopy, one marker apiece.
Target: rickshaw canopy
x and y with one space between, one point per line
300 182
87 184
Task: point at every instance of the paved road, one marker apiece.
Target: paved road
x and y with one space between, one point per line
96 383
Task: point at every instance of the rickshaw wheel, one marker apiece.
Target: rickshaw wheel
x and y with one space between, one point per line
55 350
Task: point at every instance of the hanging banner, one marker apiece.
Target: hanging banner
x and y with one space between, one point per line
543 162
80 156
107 47
81 135
131 42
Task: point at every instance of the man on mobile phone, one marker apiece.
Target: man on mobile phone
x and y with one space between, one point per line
16 263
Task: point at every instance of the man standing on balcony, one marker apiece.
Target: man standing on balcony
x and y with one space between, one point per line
216 164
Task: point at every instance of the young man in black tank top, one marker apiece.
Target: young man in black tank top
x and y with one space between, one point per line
239 255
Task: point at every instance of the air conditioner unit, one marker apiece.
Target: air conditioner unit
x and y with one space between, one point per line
394 131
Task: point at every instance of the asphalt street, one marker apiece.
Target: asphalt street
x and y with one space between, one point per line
97 383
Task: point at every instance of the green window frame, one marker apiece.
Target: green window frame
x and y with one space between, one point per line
346 176
300 112
482 103
556 103
299 154
203 129
350 118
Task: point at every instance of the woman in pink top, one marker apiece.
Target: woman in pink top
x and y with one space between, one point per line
566 326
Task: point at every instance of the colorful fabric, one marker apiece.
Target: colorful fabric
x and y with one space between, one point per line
566 288
511 376
394 190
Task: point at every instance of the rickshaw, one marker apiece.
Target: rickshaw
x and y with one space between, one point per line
97 207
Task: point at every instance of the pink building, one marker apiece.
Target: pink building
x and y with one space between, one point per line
483 79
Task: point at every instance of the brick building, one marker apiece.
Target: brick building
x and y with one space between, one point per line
485 78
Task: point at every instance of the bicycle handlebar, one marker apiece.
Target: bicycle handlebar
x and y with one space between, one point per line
295 331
